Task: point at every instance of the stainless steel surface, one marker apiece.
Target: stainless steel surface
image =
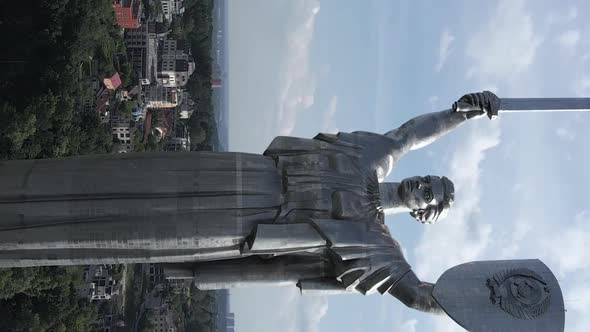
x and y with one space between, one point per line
514 105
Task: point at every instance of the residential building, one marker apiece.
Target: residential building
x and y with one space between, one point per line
127 13
159 96
185 113
129 94
123 131
175 73
216 83
101 104
171 8
187 106
166 126
103 288
177 144
108 323
179 140
113 82
157 30
225 318
142 50
155 275
230 319
162 317
180 286
98 284
175 63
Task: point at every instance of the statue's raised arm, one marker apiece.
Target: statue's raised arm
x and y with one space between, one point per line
425 129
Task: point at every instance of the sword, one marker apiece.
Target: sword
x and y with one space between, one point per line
542 105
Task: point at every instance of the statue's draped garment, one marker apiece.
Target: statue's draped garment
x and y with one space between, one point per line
305 211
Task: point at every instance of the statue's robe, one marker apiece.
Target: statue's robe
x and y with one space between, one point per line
305 211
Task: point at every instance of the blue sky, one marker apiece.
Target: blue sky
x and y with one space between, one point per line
299 67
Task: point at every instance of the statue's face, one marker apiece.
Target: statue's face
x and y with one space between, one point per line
418 192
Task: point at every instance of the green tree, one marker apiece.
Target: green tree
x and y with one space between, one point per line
126 108
43 298
19 127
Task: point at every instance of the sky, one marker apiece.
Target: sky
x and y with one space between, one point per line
300 67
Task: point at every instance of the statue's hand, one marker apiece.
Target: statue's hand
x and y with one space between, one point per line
477 104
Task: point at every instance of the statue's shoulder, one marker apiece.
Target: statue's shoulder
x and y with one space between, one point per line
282 145
289 145
330 138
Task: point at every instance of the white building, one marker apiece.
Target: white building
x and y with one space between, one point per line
103 288
186 106
171 8
98 284
159 96
122 133
175 63
178 144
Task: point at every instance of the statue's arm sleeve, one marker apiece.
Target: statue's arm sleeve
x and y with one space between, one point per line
415 294
425 129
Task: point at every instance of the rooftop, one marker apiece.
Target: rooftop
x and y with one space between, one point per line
113 82
182 44
181 65
127 13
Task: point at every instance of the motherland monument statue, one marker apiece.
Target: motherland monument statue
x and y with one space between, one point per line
306 212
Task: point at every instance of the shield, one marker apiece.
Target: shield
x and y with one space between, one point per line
502 296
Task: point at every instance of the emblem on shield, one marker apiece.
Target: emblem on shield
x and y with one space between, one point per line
520 292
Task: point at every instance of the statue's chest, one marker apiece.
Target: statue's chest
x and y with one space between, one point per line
327 185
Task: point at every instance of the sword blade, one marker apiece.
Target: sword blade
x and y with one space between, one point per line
514 105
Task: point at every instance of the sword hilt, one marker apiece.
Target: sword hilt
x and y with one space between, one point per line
460 106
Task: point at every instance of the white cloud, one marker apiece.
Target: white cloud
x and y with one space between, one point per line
506 47
314 309
444 48
328 125
407 326
565 134
569 39
298 83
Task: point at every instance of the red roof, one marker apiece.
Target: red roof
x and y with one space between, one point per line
147 125
127 13
113 82
102 101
